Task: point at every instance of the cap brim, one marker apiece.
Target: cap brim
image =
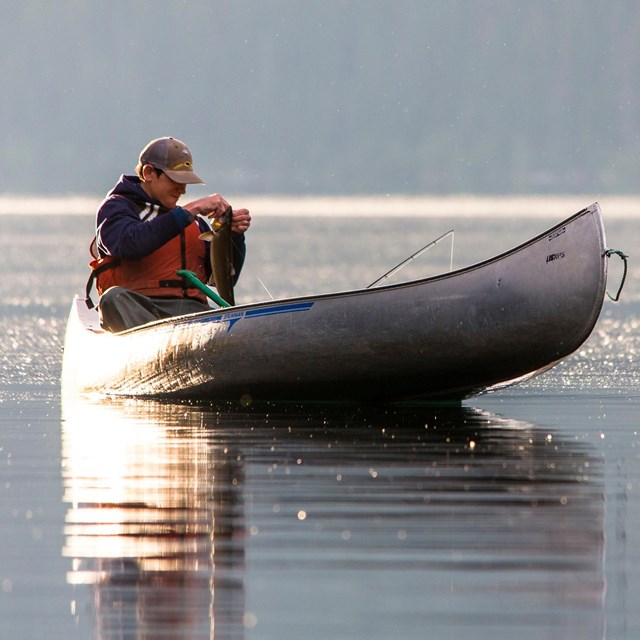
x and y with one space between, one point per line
184 177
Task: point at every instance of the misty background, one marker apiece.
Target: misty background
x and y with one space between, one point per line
325 96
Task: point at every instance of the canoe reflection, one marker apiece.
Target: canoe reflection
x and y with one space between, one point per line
185 520
154 522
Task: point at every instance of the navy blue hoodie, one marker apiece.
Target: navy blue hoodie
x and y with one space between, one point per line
131 225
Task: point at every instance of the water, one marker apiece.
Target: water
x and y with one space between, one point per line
516 515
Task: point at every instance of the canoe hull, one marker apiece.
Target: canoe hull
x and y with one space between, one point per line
445 337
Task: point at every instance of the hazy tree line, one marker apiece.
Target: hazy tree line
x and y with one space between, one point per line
325 96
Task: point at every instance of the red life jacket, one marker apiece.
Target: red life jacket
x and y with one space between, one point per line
155 274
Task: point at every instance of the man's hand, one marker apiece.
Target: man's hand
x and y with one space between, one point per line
240 220
214 206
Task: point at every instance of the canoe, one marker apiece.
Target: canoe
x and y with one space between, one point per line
441 338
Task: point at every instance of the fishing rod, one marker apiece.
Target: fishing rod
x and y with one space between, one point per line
264 286
416 255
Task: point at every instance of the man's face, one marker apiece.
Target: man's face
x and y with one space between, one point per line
161 187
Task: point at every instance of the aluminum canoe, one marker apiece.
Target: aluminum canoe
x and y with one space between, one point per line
445 337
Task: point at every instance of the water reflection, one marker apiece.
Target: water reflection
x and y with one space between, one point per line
154 522
187 522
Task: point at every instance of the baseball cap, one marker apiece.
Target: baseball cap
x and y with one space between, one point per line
171 156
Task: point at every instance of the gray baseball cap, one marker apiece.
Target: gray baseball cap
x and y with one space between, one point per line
171 156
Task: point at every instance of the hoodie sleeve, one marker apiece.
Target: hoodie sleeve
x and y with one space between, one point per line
121 232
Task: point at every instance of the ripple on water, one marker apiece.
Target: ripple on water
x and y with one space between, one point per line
30 352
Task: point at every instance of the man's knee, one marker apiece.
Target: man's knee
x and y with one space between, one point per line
120 309
111 295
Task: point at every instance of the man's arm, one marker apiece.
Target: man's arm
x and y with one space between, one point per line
122 233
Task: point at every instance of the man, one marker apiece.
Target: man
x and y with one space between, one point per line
143 237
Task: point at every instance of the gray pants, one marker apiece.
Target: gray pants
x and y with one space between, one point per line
120 308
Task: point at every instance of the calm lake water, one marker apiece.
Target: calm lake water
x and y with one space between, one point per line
514 516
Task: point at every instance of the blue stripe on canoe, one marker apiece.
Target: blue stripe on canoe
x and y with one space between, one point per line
232 317
286 308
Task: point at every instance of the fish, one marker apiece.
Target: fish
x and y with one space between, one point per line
221 256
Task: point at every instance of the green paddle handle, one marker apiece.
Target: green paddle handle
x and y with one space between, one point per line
195 281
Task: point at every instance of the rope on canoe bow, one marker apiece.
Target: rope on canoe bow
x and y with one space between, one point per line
608 253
